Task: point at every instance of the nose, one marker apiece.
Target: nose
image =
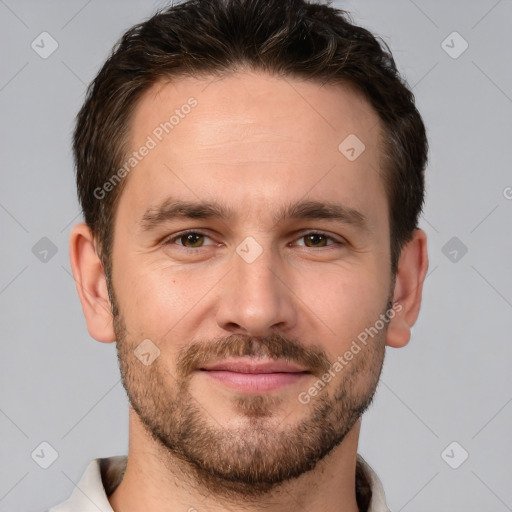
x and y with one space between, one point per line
256 297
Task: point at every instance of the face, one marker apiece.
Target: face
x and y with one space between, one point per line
252 251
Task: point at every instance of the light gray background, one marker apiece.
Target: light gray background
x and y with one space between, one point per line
451 383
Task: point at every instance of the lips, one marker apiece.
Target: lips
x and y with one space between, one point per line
250 375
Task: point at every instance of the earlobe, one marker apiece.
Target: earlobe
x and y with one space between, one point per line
91 285
412 269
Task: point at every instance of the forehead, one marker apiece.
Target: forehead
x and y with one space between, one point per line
286 108
252 137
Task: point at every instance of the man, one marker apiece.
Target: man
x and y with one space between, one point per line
251 176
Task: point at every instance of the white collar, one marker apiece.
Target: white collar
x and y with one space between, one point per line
103 475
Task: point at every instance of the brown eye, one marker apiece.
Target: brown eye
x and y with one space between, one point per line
191 239
315 240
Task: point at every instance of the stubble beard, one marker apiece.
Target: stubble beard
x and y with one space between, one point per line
262 454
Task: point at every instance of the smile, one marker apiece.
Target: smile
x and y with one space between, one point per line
251 375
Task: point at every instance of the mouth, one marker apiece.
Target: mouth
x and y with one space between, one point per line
250 375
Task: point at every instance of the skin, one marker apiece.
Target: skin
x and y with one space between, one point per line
256 143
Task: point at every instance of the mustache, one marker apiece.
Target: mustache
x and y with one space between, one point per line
274 346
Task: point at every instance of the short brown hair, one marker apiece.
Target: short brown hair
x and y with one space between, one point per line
291 38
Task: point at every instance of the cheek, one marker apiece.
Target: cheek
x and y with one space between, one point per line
342 305
145 296
158 300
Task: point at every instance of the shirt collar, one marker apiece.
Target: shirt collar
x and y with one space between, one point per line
103 475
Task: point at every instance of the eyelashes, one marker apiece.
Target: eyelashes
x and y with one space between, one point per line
195 236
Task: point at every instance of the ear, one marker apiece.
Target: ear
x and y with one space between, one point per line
412 269
91 284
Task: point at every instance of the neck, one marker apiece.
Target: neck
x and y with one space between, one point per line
157 480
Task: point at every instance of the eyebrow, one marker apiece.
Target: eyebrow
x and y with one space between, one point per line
171 209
